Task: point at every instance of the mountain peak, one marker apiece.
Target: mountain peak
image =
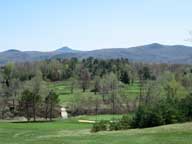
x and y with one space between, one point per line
64 49
12 51
155 45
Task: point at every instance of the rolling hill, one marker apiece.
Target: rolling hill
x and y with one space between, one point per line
155 52
22 56
148 53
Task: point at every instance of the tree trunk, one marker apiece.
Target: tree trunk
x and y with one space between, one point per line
46 111
113 104
84 89
34 109
14 102
27 112
50 114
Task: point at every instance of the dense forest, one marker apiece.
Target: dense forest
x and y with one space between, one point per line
164 94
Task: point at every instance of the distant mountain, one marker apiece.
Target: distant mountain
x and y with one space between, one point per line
66 50
13 55
155 52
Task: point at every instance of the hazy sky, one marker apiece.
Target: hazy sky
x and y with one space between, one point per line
92 24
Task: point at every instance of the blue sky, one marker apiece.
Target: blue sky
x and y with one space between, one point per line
92 24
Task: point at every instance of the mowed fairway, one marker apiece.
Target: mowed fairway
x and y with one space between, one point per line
72 132
62 88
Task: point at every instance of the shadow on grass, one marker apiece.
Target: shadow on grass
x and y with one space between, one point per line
64 93
40 121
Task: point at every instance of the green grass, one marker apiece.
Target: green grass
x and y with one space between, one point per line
99 117
131 91
72 132
63 89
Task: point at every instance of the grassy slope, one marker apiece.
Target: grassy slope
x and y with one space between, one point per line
71 132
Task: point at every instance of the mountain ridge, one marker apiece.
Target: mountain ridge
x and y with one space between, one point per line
155 52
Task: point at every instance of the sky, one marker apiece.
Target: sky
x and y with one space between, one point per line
46 25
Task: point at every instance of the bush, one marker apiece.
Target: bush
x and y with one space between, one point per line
171 115
186 107
122 124
115 125
147 116
162 112
100 126
125 122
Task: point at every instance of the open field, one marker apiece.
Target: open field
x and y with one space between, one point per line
72 132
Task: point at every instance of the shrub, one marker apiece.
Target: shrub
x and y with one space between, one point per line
115 125
122 124
125 122
159 113
186 107
147 116
100 126
170 114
